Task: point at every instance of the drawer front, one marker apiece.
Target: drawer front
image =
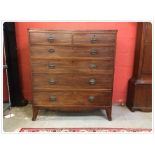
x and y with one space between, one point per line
62 98
72 81
72 66
50 38
88 38
51 51
102 52
66 51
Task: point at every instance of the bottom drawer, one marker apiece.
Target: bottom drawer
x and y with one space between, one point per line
58 98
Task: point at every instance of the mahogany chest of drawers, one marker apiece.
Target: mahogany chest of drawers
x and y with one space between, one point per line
72 70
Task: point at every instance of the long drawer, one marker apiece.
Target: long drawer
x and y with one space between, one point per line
59 98
68 51
74 81
72 65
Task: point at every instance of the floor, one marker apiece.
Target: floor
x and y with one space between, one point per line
122 118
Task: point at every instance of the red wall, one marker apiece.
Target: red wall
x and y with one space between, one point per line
124 51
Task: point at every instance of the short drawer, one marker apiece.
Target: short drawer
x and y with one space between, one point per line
47 38
102 52
94 38
72 81
72 66
62 98
66 51
51 51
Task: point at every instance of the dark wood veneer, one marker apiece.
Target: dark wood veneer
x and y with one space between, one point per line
140 85
72 70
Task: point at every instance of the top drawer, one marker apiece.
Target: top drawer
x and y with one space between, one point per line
94 38
53 38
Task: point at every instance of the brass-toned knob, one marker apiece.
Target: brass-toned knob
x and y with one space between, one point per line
93 39
51 50
92 66
91 98
52 82
93 52
51 66
92 81
53 98
50 39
